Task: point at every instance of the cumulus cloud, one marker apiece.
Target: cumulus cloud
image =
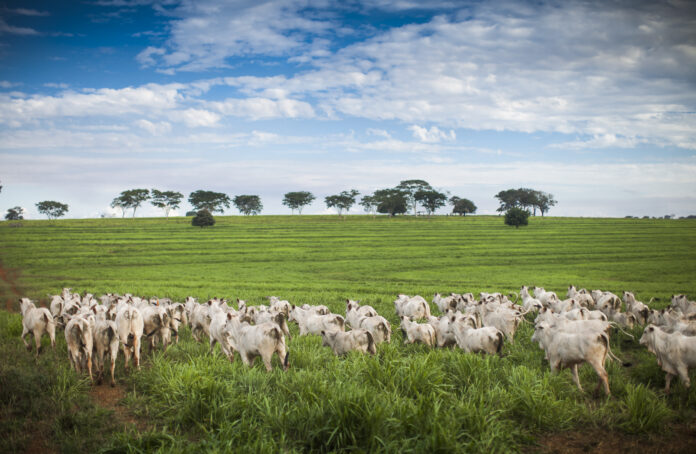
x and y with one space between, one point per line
432 135
154 128
257 108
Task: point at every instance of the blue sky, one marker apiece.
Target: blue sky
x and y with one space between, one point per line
592 101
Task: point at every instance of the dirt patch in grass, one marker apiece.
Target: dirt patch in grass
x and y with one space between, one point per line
40 441
110 397
682 439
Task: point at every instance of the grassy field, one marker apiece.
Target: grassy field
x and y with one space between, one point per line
407 398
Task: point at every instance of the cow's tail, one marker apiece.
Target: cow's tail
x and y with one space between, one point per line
433 338
426 309
617 326
500 340
605 340
371 348
286 361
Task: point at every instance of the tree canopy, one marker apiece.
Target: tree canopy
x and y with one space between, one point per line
525 198
392 201
369 204
167 200
462 206
298 200
343 201
203 218
209 200
52 209
410 188
15 214
248 204
132 198
516 217
430 199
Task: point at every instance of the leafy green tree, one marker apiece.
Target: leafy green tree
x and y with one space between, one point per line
544 201
167 200
461 206
392 201
209 200
248 204
52 209
410 188
15 214
342 201
516 217
298 200
131 198
203 218
430 199
369 204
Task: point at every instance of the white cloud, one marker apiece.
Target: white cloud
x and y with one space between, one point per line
6 28
145 58
195 117
8 84
432 135
263 108
62 86
156 129
28 12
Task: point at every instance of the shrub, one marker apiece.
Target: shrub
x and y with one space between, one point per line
516 217
203 219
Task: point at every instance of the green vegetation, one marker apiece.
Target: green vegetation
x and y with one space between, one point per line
406 399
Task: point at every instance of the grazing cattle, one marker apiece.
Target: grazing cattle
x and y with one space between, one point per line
505 320
278 318
36 321
569 349
79 338
443 331
416 332
623 319
354 311
278 305
261 340
543 296
342 342
640 310
105 342
310 322
318 309
130 325
445 304
220 331
378 326
156 324
476 340
529 303
675 352
412 307
682 304
201 316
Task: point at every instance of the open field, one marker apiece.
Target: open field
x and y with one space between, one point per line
407 398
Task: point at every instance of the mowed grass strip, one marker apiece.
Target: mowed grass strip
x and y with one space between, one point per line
408 398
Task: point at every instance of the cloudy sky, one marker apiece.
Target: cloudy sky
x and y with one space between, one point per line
593 101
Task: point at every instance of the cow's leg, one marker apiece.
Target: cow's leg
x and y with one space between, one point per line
245 359
576 378
136 351
37 340
25 331
212 345
126 357
668 381
684 375
89 367
267 361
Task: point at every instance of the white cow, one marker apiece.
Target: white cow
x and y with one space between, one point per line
354 311
569 349
415 307
543 296
446 303
378 326
640 310
79 337
156 324
130 325
476 340
342 342
310 322
416 332
105 342
258 340
37 321
676 353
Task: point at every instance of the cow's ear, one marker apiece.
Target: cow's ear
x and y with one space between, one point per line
293 306
347 301
452 318
651 328
323 333
229 316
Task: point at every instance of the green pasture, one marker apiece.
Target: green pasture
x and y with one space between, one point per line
406 398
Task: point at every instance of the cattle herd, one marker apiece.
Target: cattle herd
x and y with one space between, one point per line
571 331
